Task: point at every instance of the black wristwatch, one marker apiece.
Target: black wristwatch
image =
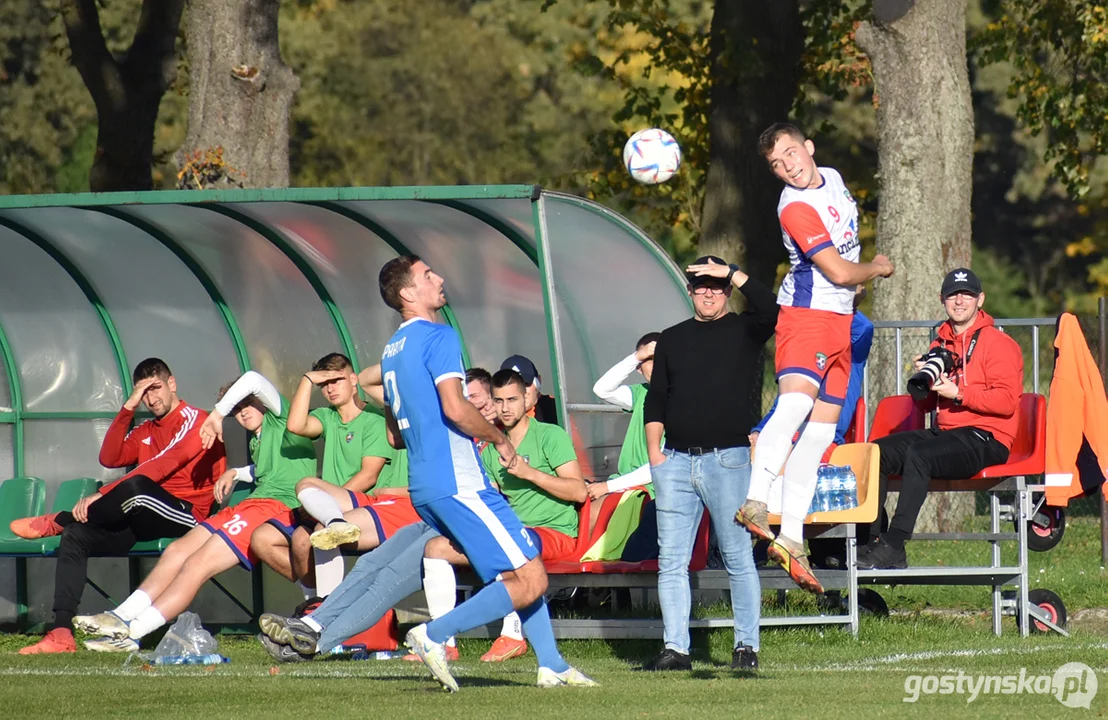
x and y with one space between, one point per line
734 269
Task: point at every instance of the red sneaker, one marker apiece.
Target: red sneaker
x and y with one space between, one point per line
505 648
58 640
451 655
33 528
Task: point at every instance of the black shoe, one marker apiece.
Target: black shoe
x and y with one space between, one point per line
669 660
281 653
744 658
882 556
293 632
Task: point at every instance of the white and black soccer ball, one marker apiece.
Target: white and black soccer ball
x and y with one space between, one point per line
652 156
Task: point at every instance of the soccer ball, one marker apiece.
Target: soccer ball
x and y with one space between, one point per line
652 156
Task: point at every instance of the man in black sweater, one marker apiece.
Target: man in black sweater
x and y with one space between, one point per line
706 370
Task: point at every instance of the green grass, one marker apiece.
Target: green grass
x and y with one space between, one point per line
804 673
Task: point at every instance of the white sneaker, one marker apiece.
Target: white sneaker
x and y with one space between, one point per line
105 624
110 644
335 534
433 656
569 678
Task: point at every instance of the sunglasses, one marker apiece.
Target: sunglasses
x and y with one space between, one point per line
708 290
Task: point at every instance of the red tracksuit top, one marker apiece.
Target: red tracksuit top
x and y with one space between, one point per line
991 382
167 450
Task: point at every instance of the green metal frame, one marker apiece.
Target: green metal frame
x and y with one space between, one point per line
399 248
205 280
553 331
86 287
305 195
17 403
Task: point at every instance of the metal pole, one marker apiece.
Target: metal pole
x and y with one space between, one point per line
899 362
1102 317
1035 359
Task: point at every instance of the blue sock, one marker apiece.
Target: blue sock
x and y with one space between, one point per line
537 629
489 605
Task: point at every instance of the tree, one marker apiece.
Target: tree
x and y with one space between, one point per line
126 88
755 56
925 150
240 96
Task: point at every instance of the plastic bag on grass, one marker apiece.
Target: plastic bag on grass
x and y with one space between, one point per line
187 637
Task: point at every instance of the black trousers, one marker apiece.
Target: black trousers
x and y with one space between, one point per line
919 455
135 510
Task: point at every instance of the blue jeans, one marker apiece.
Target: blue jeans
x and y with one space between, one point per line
379 580
686 485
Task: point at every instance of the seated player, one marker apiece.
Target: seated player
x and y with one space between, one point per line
357 458
168 492
633 526
479 392
280 458
543 490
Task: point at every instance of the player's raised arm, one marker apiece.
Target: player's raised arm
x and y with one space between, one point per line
372 381
300 422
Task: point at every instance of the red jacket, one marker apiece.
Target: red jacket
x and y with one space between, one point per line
1077 412
167 450
991 382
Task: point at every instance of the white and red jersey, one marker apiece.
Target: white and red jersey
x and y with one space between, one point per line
812 220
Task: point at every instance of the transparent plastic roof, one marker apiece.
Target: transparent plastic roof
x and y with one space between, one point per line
218 282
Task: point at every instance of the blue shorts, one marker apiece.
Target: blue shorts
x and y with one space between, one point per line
485 528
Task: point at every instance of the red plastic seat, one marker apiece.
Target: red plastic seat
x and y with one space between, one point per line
897 413
856 431
1028 454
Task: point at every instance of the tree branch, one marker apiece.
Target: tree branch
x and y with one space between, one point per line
153 48
86 41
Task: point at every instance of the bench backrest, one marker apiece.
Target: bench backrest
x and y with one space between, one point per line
19 498
896 413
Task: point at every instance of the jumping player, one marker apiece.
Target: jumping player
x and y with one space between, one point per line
427 412
819 226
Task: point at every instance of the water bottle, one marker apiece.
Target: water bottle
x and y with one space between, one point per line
819 497
851 488
210 659
835 490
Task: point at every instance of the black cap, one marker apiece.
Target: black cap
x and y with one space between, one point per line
523 366
960 280
697 280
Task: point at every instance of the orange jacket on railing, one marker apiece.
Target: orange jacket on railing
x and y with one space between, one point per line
1076 413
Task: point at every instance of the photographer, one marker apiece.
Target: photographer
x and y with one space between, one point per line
976 385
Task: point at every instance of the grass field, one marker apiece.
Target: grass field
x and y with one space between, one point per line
805 673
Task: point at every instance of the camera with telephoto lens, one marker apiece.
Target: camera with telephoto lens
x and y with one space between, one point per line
936 362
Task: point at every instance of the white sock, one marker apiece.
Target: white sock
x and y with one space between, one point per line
638 476
310 622
775 441
147 622
513 626
133 606
440 587
308 592
800 477
329 570
320 505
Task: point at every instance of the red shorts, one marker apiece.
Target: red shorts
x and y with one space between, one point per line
555 545
237 523
389 512
815 344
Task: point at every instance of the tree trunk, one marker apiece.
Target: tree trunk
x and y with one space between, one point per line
755 67
126 90
240 95
925 157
